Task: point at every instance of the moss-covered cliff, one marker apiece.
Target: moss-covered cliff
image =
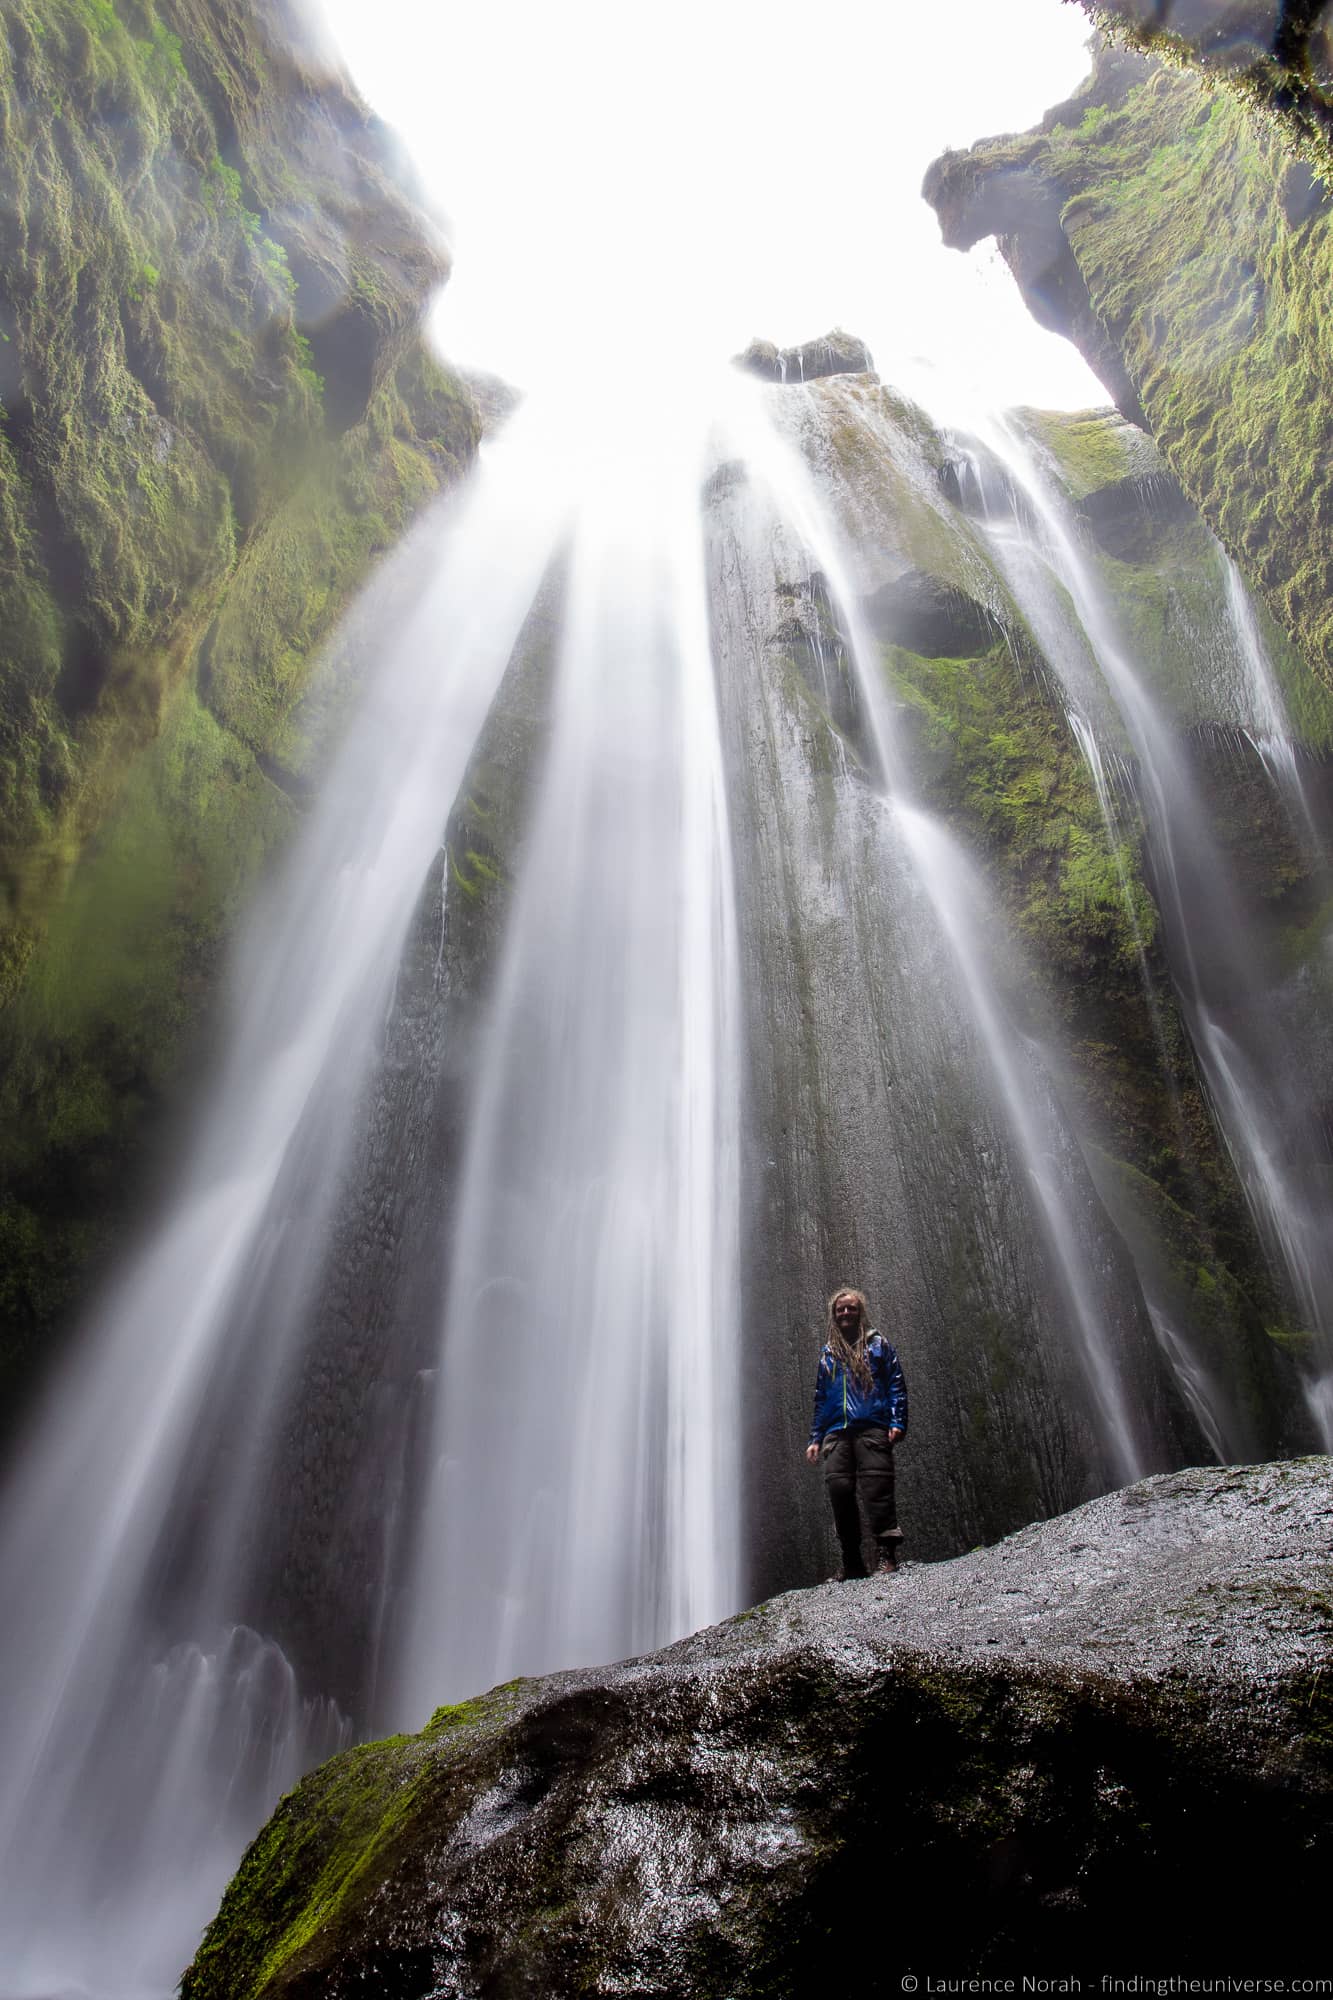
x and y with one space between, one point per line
1173 219
1161 221
216 411
1277 54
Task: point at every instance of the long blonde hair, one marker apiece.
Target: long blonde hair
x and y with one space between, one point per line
853 1358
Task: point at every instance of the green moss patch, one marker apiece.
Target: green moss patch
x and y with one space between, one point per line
1008 770
333 1836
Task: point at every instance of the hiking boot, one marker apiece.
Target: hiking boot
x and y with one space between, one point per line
887 1564
844 1575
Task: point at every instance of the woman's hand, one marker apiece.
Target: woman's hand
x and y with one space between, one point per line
811 1454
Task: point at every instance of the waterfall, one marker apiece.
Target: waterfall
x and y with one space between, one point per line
583 1500
134 1522
1258 1081
477 1336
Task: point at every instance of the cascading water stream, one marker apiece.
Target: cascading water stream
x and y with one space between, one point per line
995 493
1257 1085
587 1501
1267 726
124 1662
955 899
582 1504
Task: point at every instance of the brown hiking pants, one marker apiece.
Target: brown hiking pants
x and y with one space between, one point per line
858 1473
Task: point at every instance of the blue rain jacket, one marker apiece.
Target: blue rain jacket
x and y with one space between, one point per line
842 1404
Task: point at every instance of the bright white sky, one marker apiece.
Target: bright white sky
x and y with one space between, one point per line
667 182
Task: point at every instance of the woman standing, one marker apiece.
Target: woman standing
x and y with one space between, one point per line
860 1414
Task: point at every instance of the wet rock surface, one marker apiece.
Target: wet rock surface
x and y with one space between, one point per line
835 353
1280 56
1070 1743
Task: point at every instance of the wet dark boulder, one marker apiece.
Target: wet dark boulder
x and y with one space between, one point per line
1110 1712
930 616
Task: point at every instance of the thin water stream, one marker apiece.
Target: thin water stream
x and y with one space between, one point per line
583 1502
1258 1082
958 907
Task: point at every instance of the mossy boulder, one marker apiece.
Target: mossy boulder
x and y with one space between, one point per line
1193 279
1118 483
835 353
1080 1721
217 412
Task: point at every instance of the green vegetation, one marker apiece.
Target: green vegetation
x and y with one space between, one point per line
163 404
1207 255
1094 449
1007 769
96 1039
1275 62
217 413
331 1841
1223 339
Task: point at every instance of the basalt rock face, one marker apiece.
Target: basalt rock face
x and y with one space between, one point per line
217 411
1082 1721
1161 223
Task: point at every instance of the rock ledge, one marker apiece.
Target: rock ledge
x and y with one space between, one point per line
835 353
1079 1737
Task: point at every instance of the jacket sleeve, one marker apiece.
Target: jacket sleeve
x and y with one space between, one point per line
823 1415
896 1383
